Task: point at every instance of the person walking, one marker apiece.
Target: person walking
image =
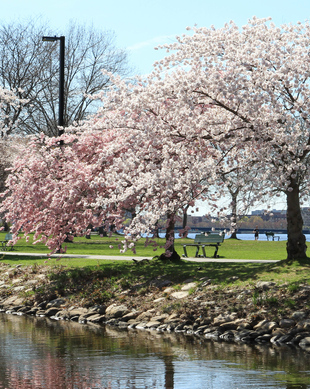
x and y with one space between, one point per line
256 233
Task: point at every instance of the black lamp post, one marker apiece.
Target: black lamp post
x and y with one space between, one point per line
61 78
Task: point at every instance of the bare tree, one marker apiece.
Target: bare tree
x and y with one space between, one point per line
30 68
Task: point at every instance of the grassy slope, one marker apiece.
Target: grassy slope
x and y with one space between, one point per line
97 280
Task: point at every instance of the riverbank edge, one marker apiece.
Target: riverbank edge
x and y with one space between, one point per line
261 315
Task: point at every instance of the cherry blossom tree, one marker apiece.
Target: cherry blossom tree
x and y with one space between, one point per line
257 78
118 161
49 191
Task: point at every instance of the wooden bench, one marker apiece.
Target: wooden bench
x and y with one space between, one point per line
203 240
271 235
4 243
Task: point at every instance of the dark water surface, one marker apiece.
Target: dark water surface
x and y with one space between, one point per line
40 353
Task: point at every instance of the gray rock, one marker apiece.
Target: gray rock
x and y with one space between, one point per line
51 311
229 326
152 324
32 311
169 290
31 282
305 343
263 338
74 318
228 335
100 309
122 324
286 323
17 281
180 295
206 282
299 315
222 318
208 303
96 318
161 318
144 316
215 335
86 316
189 286
77 311
304 325
285 338
19 288
131 315
299 337
114 311
141 326
159 300
56 303
63 314
265 325
13 300
265 285
162 327
246 336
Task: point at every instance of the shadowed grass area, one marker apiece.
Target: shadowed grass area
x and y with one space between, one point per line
96 280
232 249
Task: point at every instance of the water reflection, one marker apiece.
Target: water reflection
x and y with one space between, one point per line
40 353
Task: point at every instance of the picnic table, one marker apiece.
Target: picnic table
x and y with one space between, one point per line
271 235
204 240
4 243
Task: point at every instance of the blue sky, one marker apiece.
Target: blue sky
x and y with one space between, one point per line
140 25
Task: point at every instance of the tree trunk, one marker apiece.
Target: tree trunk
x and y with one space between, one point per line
296 242
170 234
184 224
170 253
156 230
234 196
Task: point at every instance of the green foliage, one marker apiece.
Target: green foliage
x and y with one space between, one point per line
293 288
290 303
256 297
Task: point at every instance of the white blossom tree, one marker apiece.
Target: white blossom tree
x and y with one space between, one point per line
257 78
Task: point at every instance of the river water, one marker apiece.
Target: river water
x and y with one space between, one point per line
38 353
262 237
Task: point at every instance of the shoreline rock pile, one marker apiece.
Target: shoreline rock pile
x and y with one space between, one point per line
294 331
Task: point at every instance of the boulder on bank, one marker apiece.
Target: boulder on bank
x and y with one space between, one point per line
115 311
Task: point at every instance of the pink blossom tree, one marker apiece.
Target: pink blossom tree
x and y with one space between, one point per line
49 192
120 160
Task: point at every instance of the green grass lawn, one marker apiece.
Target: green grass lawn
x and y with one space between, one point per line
231 248
221 273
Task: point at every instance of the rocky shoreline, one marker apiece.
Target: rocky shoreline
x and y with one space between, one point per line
263 314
